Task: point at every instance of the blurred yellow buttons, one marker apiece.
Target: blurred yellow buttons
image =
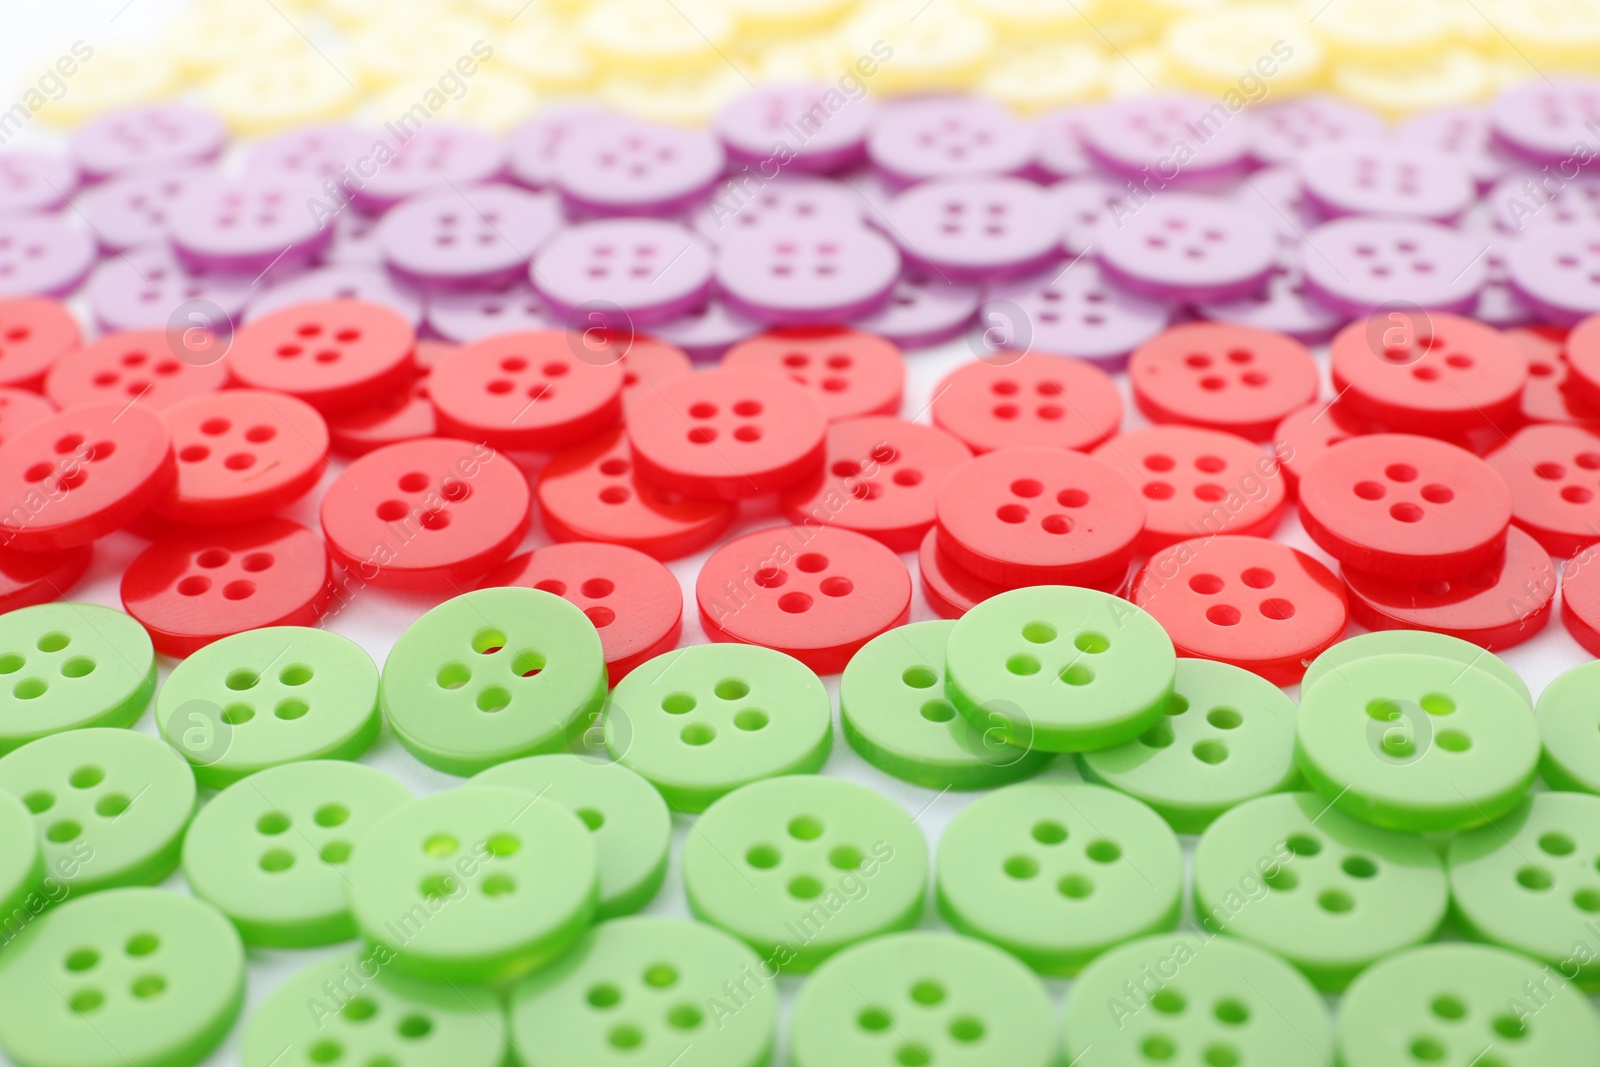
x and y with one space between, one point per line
280 91
645 37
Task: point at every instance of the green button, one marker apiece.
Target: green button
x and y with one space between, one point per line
923 998
1464 1006
1327 892
476 884
704 720
1056 872
110 805
1059 668
352 1009
265 697
130 978
648 992
801 866
493 675
67 666
1226 736
270 851
1569 724
631 826
1530 881
1415 742
894 713
22 873
1184 999
1420 642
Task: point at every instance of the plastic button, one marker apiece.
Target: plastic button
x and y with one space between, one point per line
1568 721
29 578
131 367
620 166
617 272
1079 312
42 255
68 666
1553 472
1419 264
1231 378
1183 246
401 416
34 333
815 273
974 229
1420 642
948 136
333 354
1379 178
465 237
854 374
248 224
1032 400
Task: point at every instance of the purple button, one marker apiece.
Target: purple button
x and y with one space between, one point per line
802 274
708 331
535 146
1357 265
249 224
617 272
142 289
34 181
637 168
1543 120
1556 269
1280 133
1284 306
333 152
740 204
1381 178
132 209
1087 208
149 135
355 241
1521 201
1461 133
813 128
1172 140
1070 312
946 137
371 284
1276 195
976 229
1186 246
42 255
468 236
1060 143
923 311
1498 304
439 154
507 308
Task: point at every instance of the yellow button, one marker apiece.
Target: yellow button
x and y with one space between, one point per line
487 100
1036 22
1550 34
1253 51
548 53
650 37
277 92
211 36
787 17
110 79
1379 31
1038 79
940 48
404 50
1454 78
688 100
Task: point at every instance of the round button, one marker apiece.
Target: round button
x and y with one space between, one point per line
974 229
1420 642
950 590
474 314
1553 472
646 361
68 666
1580 603
1549 395
1363 264
22 871
1378 177
333 354
1034 399
21 410
1304 435
131 209
1405 507
146 289
708 331
815 593
1231 378
1283 307
763 857
923 310
146 136
1569 724
1077 312
42 256
426 514
401 416
1583 359
425 159
248 225
1183 246
1129 136
620 272
1538 121
621 166
634 602
458 238
734 207
1281 133
1254 603
817 273
1058 872
36 182
756 122
368 282
852 373
948 136
34 333
29 578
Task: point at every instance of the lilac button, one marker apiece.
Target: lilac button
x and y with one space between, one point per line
622 272
472 235
149 135
132 209
466 316
1060 143
1070 312
1284 306
708 331
142 288
42 255
331 152
742 204
373 285
1557 271
1087 208
437 155
34 181
1357 265
249 224
535 146
1280 133
1522 200
1543 119
1276 195
1380 178
815 128
1174 140
946 137
1461 133
976 229
355 241
923 311
637 168
801 274
1185 246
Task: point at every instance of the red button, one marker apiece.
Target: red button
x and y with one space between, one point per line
1037 400
1405 507
34 333
951 590
590 492
1233 378
1428 372
135 365
1247 601
1553 472
1500 604
242 454
1549 396
851 372
1031 516
1198 483
727 435
1580 600
430 514
28 578
635 603
528 390
646 362
196 586
817 594
81 474
880 478
400 416
1583 359
1304 435
333 354
20 410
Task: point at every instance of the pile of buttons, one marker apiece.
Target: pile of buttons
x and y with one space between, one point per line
522 394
